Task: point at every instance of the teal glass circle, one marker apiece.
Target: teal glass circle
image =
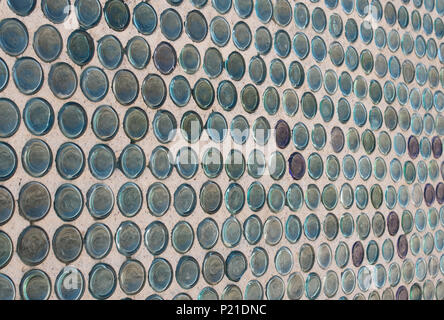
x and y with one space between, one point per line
68 202
349 167
330 82
189 59
196 26
128 238
180 91
171 24
105 122
227 95
368 141
38 116
295 197
278 73
326 108
203 93
293 229
365 167
329 197
164 126
187 272
234 164
110 52
158 199
213 268
117 14
74 293
132 161
315 166
257 70
212 162
273 230
216 127
101 161
231 232
379 169
314 78
337 55
384 143
234 198
300 136
282 12
390 197
94 84
156 237
98 240
360 88
210 197
264 10
263 40
235 66
271 100
359 114
296 74
252 229
100 201
346 225
191 126
301 45
36 158
14 36
351 30
72 120
160 274
27 74
153 91
221 6
361 196
207 233
254 290
261 131
35 285
318 49
306 257
258 261
312 196
380 38
47 43
129 199
346 195
282 43
243 8
256 163
313 285
342 254
7 205
213 63
309 105
144 18
70 161
220 31
4 74
276 198
345 83
332 167
335 25
275 288
283 261
182 237
185 200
